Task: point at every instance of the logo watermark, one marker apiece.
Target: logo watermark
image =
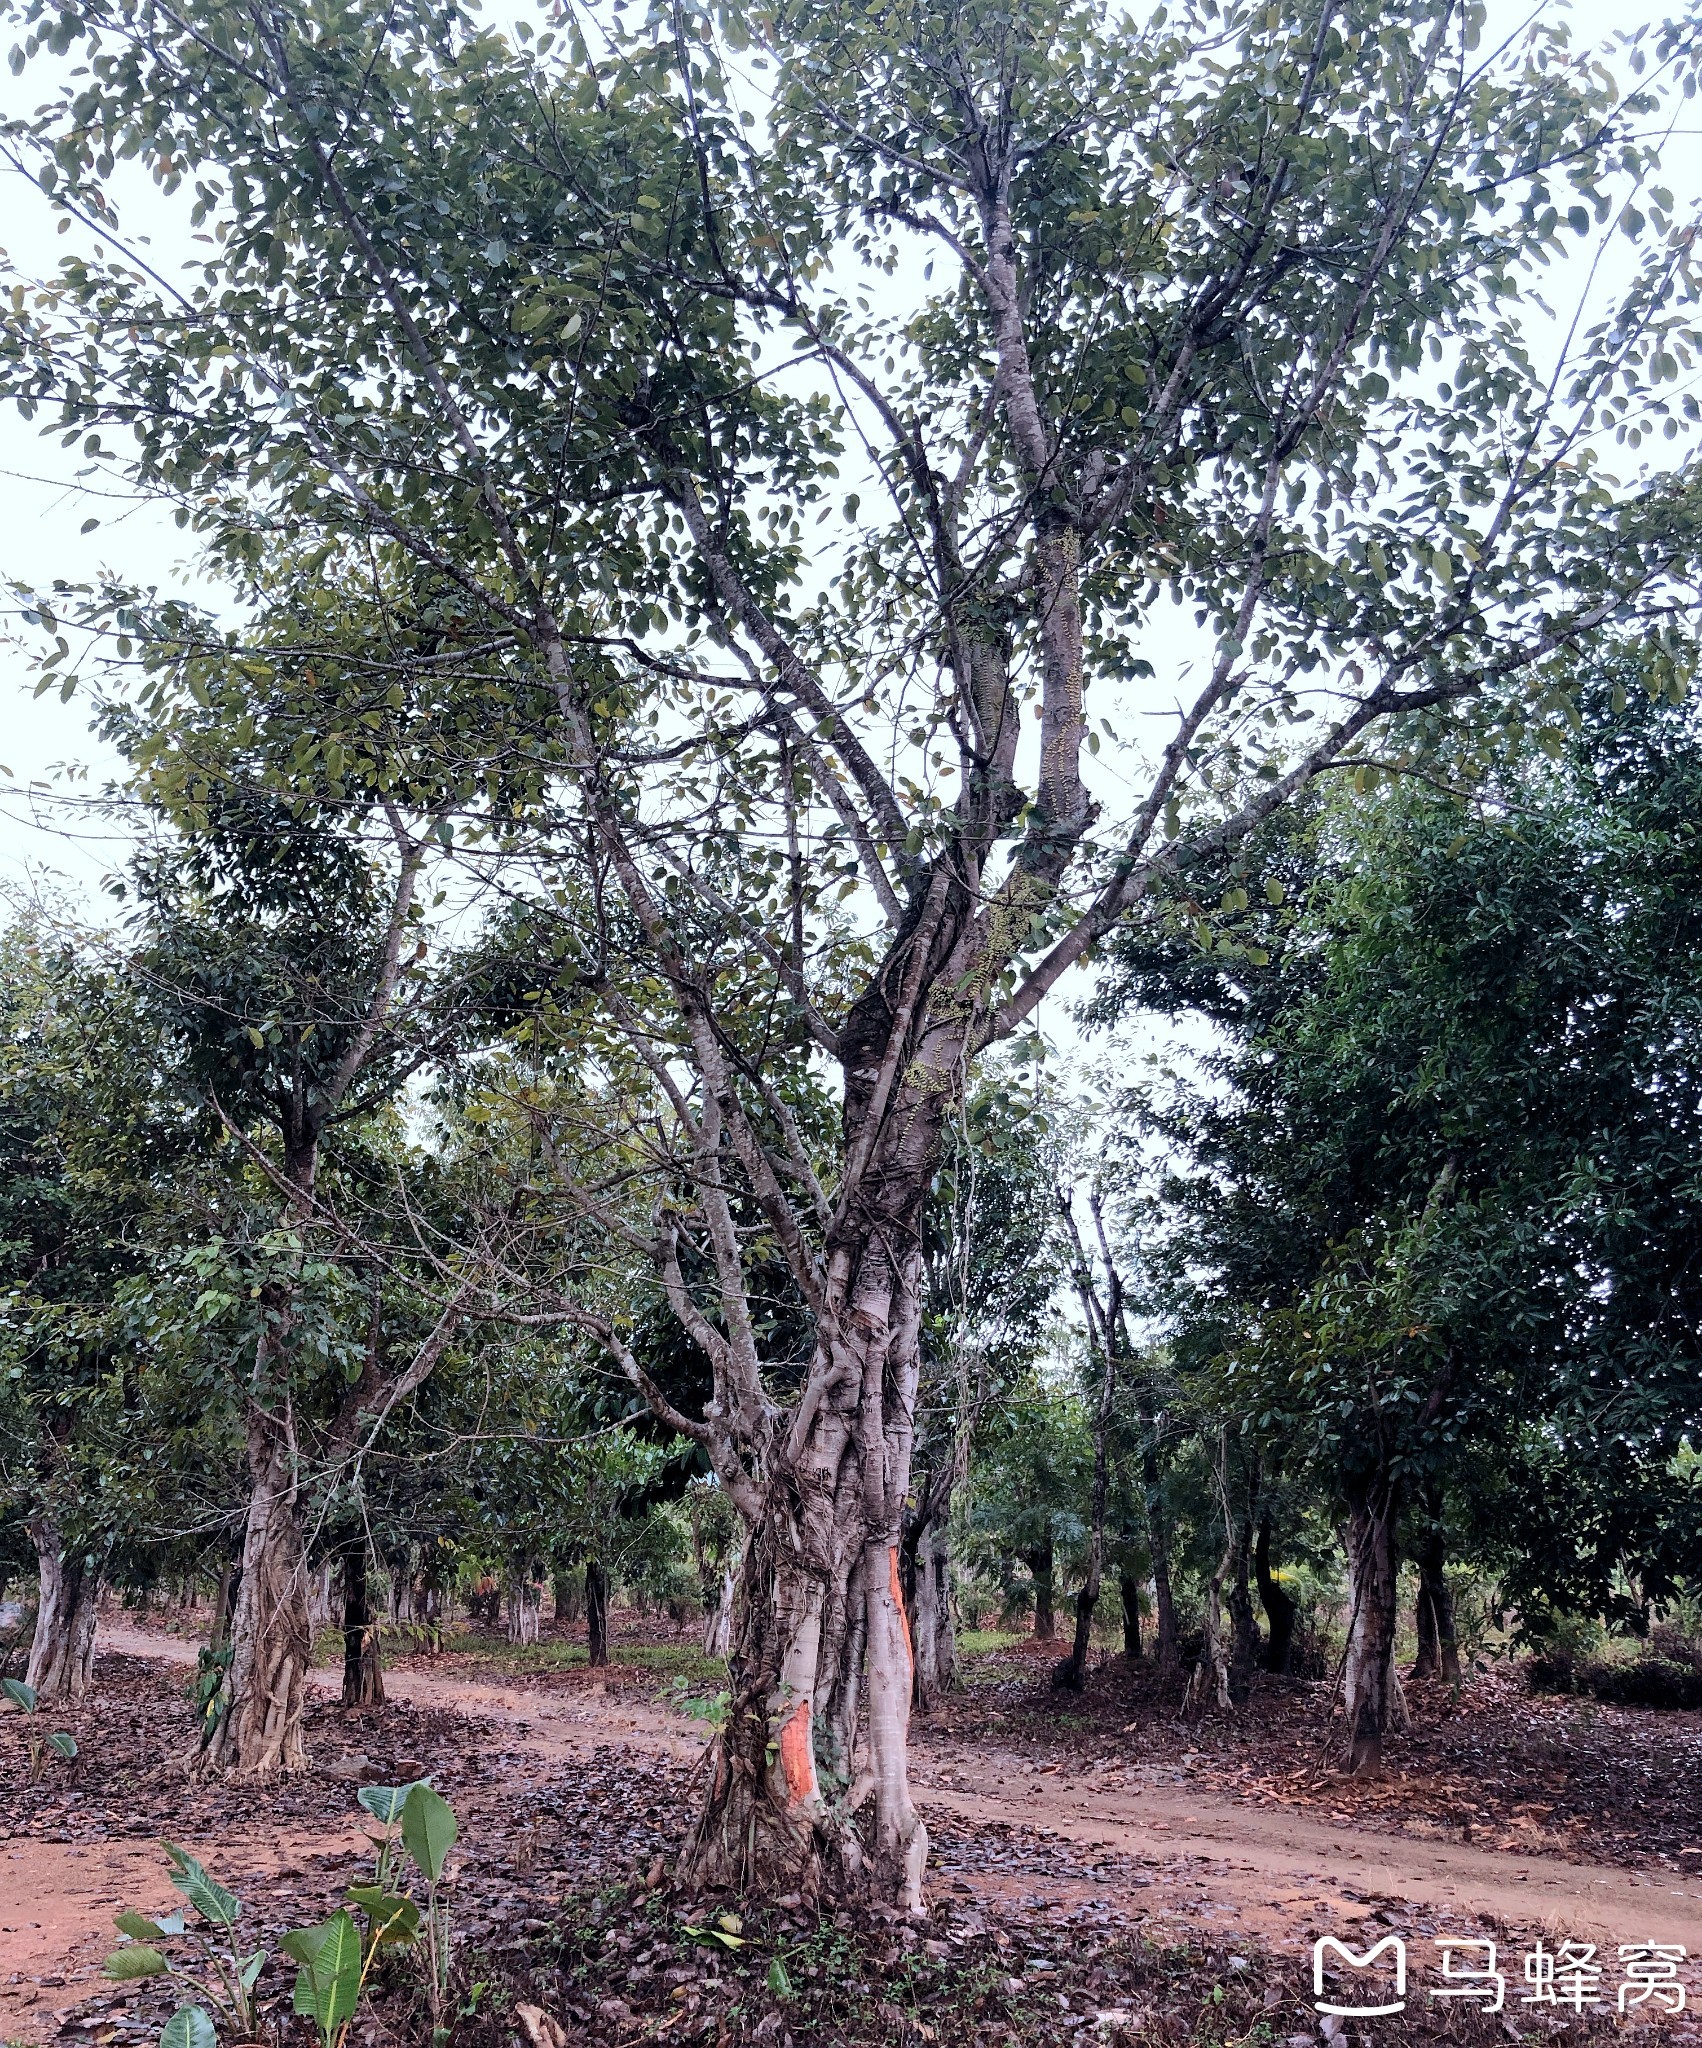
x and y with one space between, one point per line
1577 1976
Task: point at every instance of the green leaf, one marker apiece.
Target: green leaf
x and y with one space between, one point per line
19 1694
209 1899
138 1960
395 1919
248 1971
138 1926
328 1982
428 1830
188 2027
65 1744
385 1802
778 1981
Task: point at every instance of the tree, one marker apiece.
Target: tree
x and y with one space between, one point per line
1433 1197
607 339
88 1143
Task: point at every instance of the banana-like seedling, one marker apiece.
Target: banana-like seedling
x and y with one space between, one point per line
41 1747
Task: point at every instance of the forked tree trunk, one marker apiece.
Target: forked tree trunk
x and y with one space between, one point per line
62 1651
272 1637
820 1624
1280 1610
597 1613
1438 1650
1370 1689
1130 1588
363 1666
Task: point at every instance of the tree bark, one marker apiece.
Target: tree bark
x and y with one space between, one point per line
224 1604
569 1595
523 1608
1130 1588
1280 1610
935 1635
1040 1562
718 1618
1071 1674
820 1625
1438 1650
1167 1648
363 1667
62 1651
272 1637
1244 1645
597 1613
1371 1690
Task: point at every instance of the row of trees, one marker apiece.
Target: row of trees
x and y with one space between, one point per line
622 533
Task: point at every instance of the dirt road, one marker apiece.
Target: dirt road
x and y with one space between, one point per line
1279 1875
1270 1856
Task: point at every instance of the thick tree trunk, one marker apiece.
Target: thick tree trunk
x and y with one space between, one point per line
62 1651
1438 1650
597 1613
272 1637
931 1618
363 1667
1371 1689
1280 1610
820 1626
1041 1567
1130 1588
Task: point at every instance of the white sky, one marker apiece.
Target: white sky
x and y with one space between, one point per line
45 745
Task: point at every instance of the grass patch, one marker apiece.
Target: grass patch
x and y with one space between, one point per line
982 1642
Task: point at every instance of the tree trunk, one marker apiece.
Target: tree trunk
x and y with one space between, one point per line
569 1596
1071 1674
62 1652
1244 1645
363 1667
224 1604
1168 1643
597 1613
820 1621
1130 1587
1040 1566
931 1616
718 1619
272 1637
1371 1691
1280 1610
523 1608
1438 1651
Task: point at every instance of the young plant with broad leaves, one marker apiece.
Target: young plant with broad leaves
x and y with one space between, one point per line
40 1746
802 598
218 1971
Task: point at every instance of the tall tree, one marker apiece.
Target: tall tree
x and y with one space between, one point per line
607 338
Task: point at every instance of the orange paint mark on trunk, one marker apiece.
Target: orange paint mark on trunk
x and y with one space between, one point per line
898 1602
797 1754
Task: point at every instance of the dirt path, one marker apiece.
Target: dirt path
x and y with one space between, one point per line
1268 1853
1276 1874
